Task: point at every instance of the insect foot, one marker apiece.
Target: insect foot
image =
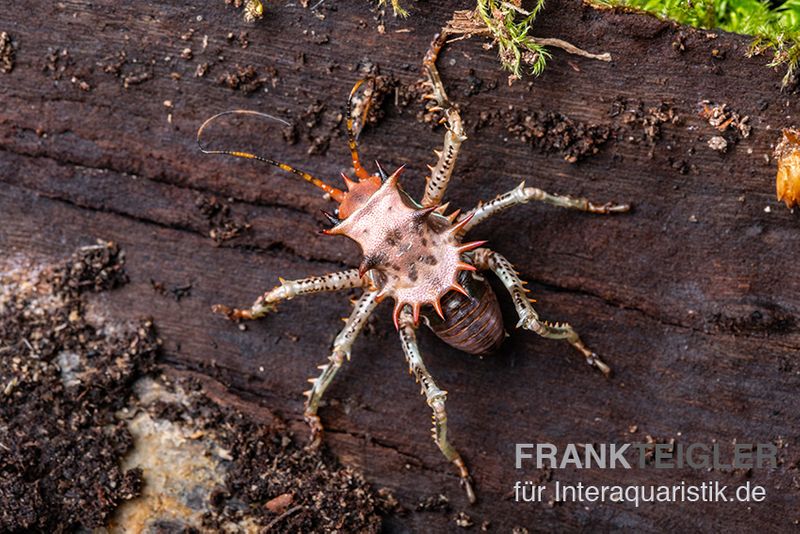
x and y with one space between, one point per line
439 431
314 395
608 207
566 332
232 314
317 430
236 314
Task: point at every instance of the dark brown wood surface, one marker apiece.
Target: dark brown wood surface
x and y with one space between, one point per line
693 298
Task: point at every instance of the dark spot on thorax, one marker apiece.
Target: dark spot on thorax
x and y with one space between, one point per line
412 272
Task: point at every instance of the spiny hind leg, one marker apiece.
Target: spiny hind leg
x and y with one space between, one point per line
523 195
434 396
485 258
436 184
342 346
289 289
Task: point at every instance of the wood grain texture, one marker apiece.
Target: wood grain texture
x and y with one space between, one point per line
693 298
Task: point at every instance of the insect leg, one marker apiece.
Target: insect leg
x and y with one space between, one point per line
484 258
523 195
362 309
440 173
352 141
289 289
434 396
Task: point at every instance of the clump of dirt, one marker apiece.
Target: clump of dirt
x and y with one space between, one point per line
61 381
131 72
732 127
270 480
650 120
241 39
247 79
222 225
6 53
176 292
58 64
554 132
92 437
434 503
114 63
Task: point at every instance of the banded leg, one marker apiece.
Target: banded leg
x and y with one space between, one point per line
523 195
484 258
434 396
436 184
288 289
342 345
360 171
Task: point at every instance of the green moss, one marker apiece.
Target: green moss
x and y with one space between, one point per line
775 30
509 26
396 7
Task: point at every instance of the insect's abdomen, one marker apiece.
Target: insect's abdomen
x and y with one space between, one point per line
472 324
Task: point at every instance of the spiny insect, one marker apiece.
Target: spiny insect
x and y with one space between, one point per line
414 253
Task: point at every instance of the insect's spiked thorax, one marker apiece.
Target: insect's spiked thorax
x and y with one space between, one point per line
414 253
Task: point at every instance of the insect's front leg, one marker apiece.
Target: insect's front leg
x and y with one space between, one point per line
342 345
289 289
523 195
484 258
434 396
440 173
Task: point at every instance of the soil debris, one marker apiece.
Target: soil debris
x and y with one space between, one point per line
62 380
463 520
6 53
176 292
114 63
732 127
434 503
718 143
555 132
260 478
247 79
135 78
222 225
56 62
92 437
650 121
201 70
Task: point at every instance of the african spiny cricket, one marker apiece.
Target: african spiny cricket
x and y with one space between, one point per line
415 253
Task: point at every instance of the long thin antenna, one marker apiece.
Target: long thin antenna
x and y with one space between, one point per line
336 194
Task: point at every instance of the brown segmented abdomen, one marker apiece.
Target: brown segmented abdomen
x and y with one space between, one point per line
472 324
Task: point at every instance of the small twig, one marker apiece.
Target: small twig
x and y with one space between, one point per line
518 9
571 48
283 516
